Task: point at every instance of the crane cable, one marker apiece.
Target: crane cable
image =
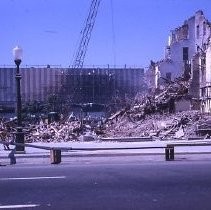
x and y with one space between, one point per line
113 34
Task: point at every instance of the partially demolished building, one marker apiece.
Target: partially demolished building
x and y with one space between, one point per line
187 55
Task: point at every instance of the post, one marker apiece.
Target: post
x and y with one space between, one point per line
19 132
55 156
169 152
12 157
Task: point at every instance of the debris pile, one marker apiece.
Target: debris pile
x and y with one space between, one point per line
155 116
150 116
179 125
161 126
6 134
204 128
53 132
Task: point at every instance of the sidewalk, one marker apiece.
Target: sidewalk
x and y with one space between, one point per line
76 146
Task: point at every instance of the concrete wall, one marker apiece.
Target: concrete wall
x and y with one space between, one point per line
7 86
208 64
203 32
180 37
100 85
195 77
91 84
205 84
36 84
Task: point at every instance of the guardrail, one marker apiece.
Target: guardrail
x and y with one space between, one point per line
169 150
55 152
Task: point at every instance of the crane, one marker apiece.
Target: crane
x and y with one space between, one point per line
86 35
78 61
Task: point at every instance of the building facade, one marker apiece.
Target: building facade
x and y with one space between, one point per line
187 55
204 69
36 84
183 43
96 85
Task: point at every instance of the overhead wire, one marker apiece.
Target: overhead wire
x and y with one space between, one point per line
113 33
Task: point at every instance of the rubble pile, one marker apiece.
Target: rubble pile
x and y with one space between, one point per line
161 126
150 116
155 116
179 125
53 132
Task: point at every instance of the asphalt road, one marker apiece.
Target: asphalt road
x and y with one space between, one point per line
108 184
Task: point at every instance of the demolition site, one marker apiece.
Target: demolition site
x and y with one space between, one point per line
170 99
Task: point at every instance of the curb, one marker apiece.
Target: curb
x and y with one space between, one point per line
84 155
104 155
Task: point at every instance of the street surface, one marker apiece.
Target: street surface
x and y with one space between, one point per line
108 183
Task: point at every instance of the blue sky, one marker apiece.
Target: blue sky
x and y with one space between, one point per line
49 30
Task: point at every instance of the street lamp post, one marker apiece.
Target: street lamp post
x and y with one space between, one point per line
17 53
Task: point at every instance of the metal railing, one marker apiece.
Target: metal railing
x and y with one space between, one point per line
170 153
55 152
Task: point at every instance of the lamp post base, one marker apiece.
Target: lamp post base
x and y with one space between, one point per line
19 148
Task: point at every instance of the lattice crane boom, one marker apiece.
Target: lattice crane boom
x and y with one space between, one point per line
86 35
